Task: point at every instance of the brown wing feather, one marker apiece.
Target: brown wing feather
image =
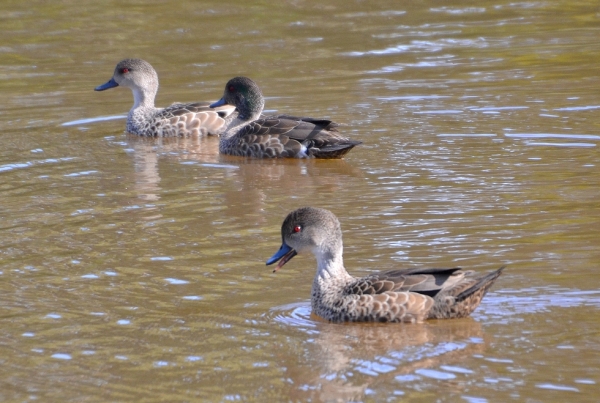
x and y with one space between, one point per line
463 298
293 135
178 109
266 146
391 307
195 118
424 281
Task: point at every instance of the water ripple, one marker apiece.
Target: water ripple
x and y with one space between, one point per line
553 136
538 143
20 165
93 120
552 386
508 302
578 108
296 315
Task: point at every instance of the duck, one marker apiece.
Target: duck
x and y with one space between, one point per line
401 295
179 119
250 134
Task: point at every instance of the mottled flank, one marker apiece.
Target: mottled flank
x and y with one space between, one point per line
410 295
144 119
283 136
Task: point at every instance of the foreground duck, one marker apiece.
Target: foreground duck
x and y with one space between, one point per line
253 135
144 119
411 295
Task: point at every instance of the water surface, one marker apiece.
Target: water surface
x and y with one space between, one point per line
133 269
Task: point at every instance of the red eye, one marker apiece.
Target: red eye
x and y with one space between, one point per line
231 88
125 70
297 228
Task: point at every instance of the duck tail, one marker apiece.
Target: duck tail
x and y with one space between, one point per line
482 285
335 151
467 298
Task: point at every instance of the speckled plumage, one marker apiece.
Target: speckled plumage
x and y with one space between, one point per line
409 295
144 119
283 136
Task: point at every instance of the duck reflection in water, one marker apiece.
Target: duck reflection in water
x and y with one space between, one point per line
347 360
242 186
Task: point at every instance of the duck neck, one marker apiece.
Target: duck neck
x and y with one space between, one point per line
330 266
243 115
250 106
143 109
143 99
232 125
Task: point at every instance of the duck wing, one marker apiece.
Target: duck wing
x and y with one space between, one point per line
414 295
294 137
178 109
326 124
463 298
193 118
423 281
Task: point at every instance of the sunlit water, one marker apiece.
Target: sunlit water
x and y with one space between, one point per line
133 269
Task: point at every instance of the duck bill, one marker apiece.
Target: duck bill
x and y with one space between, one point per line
285 254
220 102
109 84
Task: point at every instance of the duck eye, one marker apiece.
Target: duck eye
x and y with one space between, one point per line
125 70
231 88
297 228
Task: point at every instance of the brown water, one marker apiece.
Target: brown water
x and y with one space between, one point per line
133 270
